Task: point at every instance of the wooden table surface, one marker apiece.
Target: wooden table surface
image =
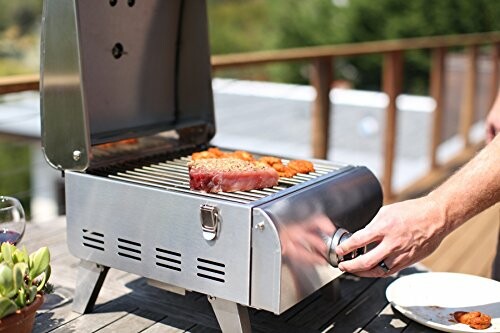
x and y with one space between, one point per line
127 303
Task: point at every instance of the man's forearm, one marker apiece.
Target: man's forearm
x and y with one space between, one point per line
472 189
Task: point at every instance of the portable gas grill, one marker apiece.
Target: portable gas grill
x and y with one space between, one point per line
115 70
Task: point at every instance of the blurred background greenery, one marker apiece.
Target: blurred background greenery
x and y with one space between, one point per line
253 25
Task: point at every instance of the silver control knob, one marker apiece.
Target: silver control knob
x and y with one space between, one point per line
338 238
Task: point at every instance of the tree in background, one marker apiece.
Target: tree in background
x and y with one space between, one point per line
257 24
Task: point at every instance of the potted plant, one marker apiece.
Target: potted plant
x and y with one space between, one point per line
23 282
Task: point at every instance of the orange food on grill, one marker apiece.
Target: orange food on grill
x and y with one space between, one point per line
242 155
288 171
202 155
270 160
301 166
474 319
217 152
284 171
132 141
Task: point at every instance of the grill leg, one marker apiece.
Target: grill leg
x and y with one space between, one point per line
88 284
232 317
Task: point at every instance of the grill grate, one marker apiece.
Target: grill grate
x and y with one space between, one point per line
174 175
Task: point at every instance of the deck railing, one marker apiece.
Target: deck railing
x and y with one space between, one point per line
322 59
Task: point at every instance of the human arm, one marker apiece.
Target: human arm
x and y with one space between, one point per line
493 120
408 231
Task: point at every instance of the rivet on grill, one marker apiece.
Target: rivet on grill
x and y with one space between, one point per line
76 155
131 3
117 50
113 2
260 226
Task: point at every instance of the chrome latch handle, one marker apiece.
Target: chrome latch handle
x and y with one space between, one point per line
338 238
209 216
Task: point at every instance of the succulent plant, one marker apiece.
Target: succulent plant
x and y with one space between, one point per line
22 277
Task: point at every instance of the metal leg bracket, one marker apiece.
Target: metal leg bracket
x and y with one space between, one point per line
88 284
232 317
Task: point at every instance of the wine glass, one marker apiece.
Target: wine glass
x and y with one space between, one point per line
12 220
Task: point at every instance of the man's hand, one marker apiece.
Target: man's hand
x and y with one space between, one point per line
405 233
493 121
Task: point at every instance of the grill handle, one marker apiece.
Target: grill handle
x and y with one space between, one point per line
332 242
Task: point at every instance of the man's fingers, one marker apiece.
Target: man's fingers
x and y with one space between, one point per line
366 261
359 239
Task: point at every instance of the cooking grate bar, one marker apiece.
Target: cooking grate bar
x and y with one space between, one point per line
174 175
178 189
184 184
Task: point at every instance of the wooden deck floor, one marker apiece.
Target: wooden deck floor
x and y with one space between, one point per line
471 248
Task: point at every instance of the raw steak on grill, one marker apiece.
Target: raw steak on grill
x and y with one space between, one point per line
230 175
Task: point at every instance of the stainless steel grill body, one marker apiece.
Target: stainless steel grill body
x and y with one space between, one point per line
147 221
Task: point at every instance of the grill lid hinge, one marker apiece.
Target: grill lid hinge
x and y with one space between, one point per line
209 221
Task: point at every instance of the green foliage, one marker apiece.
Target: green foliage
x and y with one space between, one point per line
22 276
15 171
239 26
298 23
23 15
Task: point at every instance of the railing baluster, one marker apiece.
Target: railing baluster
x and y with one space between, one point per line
469 103
321 79
392 85
495 52
437 92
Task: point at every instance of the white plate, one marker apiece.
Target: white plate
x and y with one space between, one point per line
431 299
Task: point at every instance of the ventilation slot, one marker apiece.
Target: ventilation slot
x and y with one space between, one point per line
93 239
168 259
129 249
211 270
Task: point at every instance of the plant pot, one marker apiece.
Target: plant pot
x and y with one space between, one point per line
22 320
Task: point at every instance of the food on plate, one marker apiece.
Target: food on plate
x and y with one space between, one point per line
284 171
230 175
474 319
301 166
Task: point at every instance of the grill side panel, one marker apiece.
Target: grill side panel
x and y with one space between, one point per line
157 234
282 276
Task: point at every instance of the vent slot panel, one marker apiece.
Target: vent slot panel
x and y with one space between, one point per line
129 249
211 270
92 239
168 259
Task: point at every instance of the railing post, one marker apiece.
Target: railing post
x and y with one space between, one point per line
469 103
437 92
321 79
392 85
495 52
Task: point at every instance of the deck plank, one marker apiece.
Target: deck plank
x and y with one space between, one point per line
101 317
169 325
134 322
